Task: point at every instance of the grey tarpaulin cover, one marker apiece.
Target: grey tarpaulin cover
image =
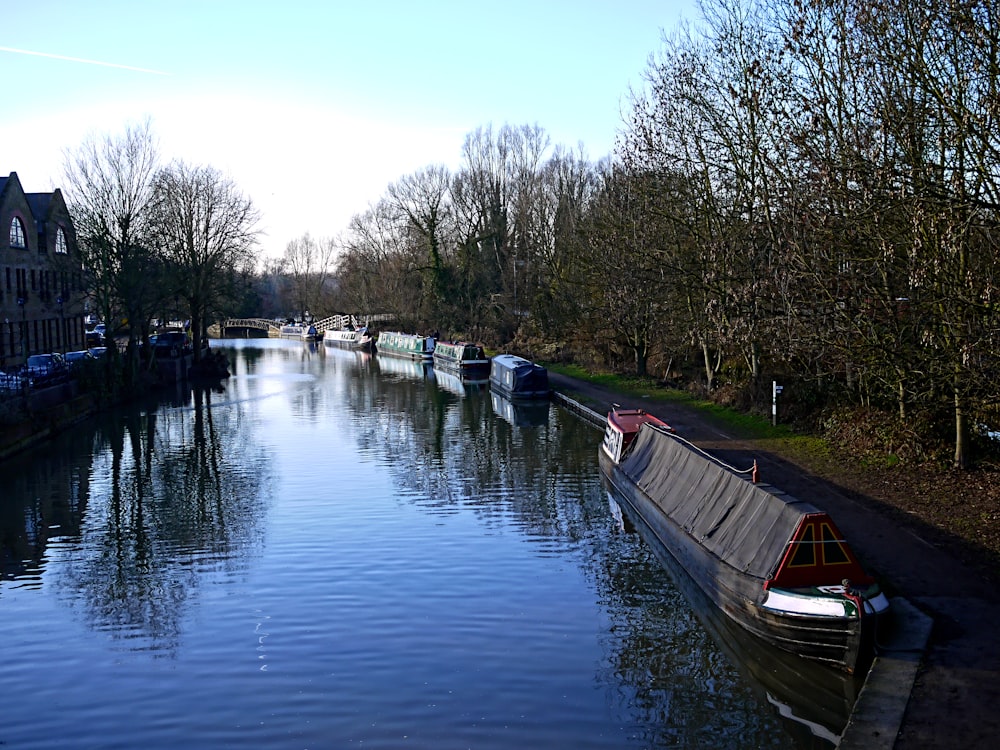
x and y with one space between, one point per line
744 524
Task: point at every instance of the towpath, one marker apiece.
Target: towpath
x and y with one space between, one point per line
955 699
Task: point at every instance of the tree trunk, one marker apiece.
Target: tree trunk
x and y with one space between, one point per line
709 369
961 433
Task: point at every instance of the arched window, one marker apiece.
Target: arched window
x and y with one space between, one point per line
61 242
17 233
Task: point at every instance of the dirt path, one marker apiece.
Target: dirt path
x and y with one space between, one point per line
955 702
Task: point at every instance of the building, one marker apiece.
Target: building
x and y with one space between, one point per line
41 275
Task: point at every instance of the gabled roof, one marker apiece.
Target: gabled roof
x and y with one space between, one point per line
39 205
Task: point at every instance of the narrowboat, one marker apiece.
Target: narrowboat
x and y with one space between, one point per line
514 377
813 701
776 565
406 345
299 331
349 338
460 357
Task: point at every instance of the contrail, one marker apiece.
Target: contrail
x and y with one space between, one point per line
82 60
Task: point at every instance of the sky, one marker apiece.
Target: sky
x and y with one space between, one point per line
313 107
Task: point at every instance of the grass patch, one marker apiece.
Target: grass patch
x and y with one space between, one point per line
808 448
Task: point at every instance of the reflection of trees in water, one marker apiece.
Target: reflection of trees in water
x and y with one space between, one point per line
665 666
44 494
661 665
183 499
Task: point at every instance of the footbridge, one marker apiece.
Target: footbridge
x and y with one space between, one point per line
273 327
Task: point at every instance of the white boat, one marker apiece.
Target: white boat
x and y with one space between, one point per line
299 331
349 338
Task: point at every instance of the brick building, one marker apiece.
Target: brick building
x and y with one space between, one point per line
41 275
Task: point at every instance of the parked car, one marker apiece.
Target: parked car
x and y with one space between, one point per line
98 351
41 369
97 335
76 359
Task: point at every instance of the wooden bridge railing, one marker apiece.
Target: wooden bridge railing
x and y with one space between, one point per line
333 322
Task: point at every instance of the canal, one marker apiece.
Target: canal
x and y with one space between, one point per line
335 550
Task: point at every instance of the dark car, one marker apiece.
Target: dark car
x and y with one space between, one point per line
79 359
44 369
171 344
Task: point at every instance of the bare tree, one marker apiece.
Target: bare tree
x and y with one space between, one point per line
109 182
423 200
206 230
309 262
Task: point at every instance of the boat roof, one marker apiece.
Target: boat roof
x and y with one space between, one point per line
747 525
630 420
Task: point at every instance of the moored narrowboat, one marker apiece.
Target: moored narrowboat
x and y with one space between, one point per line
405 345
777 566
349 338
460 357
514 377
300 331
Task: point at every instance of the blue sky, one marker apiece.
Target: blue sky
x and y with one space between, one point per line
314 106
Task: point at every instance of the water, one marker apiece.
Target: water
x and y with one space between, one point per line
334 550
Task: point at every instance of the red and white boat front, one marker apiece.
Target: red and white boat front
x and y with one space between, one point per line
623 426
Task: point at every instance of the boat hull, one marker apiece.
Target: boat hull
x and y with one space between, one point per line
840 641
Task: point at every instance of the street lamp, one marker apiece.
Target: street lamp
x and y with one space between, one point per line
62 324
21 300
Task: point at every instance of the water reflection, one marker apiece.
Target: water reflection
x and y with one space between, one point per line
521 413
460 385
348 550
155 490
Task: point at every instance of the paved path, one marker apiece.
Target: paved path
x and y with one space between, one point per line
955 701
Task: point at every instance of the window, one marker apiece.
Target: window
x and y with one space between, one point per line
16 233
61 242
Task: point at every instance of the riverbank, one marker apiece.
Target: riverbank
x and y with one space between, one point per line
33 419
957 683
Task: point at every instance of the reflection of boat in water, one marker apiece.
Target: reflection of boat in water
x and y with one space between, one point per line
406 368
777 566
520 413
300 331
358 357
406 345
460 384
349 338
461 357
814 701
516 378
